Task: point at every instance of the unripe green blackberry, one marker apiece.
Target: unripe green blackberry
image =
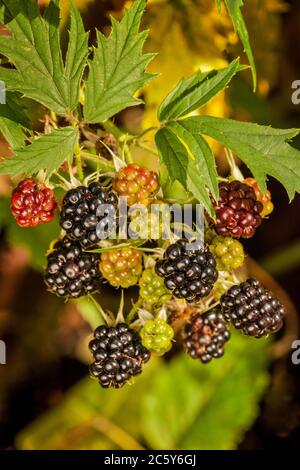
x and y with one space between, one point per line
157 336
152 288
228 253
121 268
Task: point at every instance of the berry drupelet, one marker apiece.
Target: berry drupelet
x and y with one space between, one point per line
188 273
118 355
79 216
32 203
237 210
70 271
121 268
204 336
137 184
157 336
265 199
252 309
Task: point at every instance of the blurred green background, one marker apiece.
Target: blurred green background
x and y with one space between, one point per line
250 398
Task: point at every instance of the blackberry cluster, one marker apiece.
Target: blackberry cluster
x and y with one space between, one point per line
121 268
32 204
204 336
237 211
70 271
189 274
157 336
137 184
252 309
152 288
118 353
79 216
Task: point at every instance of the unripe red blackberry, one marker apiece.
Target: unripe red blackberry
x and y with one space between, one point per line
79 216
252 309
188 273
32 203
204 336
118 353
137 184
237 210
265 199
70 271
228 253
121 268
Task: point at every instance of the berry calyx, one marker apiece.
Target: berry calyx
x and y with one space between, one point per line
137 184
265 199
204 336
106 143
32 203
157 336
80 217
252 309
70 271
118 355
237 210
121 268
152 288
228 253
188 273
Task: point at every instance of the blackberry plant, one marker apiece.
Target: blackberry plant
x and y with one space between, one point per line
84 158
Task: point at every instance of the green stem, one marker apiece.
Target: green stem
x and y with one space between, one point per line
146 147
79 163
97 159
133 311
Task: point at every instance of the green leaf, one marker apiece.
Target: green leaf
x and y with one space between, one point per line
35 240
263 149
117 70
193 92
47 153
13 119
234 10
220 399
34 49
189 160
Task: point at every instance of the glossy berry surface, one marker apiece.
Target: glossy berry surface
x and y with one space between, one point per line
137 184
32 203
237 210
80 216
204 336
228 253
152 288
121 268
118 355
265 199
188 273
157 336
70 271
252 309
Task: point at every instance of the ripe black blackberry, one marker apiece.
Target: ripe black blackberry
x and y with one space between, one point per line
70 271
252 309
79 216
189 274
204 336
118 353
